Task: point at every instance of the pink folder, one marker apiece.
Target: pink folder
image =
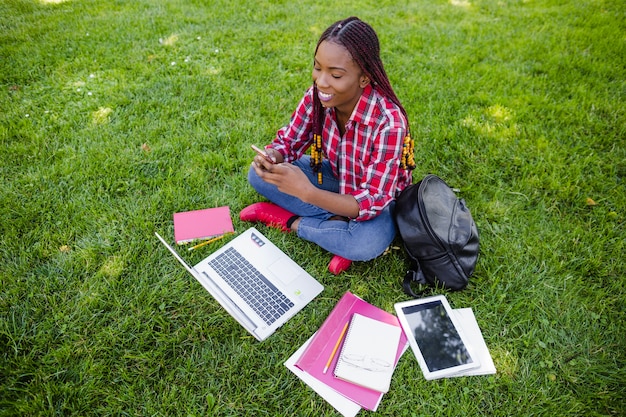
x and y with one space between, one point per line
319 350
202 224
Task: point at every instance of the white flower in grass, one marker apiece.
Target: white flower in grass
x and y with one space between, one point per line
79 85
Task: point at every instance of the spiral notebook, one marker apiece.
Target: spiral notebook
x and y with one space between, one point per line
314 357
368 353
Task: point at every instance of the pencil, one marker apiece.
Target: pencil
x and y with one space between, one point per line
206 242
332 355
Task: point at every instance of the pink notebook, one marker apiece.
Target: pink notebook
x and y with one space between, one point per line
202 224
314 358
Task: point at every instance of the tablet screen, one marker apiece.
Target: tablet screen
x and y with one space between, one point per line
435 334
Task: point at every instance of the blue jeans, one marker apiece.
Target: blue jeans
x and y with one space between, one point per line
357 241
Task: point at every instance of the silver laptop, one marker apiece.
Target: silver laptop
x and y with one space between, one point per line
254 281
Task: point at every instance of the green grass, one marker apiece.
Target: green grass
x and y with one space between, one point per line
116 114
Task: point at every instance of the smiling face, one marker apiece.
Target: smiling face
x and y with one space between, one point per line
339 79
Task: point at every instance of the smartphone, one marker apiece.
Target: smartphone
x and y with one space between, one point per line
262 153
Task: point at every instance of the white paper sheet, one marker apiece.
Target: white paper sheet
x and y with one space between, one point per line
470 327
343 405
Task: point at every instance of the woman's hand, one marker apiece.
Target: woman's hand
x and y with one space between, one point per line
288 178
262 162
292 181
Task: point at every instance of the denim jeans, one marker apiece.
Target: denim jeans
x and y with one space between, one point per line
354 240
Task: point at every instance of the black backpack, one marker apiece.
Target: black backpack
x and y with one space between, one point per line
438 233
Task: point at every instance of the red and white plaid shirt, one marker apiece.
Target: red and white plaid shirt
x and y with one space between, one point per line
366 160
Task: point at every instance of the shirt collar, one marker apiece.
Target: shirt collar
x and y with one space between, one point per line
366 107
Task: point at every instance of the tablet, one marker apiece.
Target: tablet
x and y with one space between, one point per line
435 337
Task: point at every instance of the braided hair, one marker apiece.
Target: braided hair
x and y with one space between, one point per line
361 41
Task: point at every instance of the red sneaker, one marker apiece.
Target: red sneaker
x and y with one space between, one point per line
267 213
338 265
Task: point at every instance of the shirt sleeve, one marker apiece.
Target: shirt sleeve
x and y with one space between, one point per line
379 181
293 140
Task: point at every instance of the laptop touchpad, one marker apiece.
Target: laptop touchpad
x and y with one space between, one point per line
285 270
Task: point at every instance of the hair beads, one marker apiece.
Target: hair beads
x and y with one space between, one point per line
316 156
408 153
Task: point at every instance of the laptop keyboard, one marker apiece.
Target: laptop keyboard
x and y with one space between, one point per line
260 294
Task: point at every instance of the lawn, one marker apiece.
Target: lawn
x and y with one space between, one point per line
116 114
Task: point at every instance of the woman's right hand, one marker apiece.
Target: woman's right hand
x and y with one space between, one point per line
262 163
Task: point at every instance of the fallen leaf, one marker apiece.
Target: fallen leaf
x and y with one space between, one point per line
101 116
590 202
169 41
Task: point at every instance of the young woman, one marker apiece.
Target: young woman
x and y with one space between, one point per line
342 196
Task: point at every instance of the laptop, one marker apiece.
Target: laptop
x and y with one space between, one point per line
256 282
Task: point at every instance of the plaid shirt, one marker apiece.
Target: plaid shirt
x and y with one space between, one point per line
366 160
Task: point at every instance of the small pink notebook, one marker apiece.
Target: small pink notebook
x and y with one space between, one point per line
202 224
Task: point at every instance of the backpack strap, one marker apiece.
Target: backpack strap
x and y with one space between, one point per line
414 274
